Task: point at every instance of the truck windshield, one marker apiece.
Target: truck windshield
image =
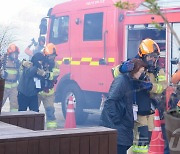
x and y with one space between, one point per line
59 30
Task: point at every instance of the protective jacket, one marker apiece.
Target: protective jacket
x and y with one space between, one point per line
175 98
117 112
11 73
176 77
53 75
146 98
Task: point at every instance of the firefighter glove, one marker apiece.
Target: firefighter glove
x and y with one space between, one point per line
126 66
146 85
47 75
41 72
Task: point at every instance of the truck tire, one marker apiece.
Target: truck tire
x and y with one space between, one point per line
79 102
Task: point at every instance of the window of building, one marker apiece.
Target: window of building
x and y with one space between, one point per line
59 31
162 4
93 25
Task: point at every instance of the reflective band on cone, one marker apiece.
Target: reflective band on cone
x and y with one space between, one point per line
156 118
157 129
70 110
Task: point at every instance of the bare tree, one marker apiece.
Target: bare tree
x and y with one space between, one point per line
7 36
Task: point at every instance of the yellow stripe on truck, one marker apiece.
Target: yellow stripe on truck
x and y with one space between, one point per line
75 62
86 59
89 61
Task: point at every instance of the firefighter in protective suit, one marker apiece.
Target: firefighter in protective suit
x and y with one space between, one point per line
147 100
176 76
38 46
47 95
11 68
175 96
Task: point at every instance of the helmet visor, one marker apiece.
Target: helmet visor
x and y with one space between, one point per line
154 55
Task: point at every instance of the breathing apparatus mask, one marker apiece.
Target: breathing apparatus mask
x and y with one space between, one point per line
152 62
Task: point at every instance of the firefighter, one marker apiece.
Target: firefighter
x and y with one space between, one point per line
47 95
176 76
11 75
173 101
147 101
38 46
175 96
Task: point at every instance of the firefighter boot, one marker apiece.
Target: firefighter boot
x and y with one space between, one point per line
51 124
13 110
50 117
142 146
13 107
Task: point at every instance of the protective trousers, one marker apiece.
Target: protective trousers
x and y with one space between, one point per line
48 102
143 131
11 93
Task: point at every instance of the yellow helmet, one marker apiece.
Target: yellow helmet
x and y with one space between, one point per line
148 46
50 49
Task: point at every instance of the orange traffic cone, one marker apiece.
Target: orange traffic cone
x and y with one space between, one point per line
70 115
157 142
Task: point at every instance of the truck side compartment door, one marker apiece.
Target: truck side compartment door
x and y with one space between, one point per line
93 67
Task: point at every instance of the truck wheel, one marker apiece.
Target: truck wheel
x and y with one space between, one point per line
79 102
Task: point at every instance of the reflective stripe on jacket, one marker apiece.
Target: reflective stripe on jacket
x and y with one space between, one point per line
115 71
11 85
49 93
53 76
12 70
159 83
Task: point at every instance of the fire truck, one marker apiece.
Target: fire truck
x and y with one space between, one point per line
93 36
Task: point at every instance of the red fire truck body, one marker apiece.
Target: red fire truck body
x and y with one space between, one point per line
91 37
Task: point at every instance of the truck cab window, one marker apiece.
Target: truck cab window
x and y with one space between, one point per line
59 32
93 25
